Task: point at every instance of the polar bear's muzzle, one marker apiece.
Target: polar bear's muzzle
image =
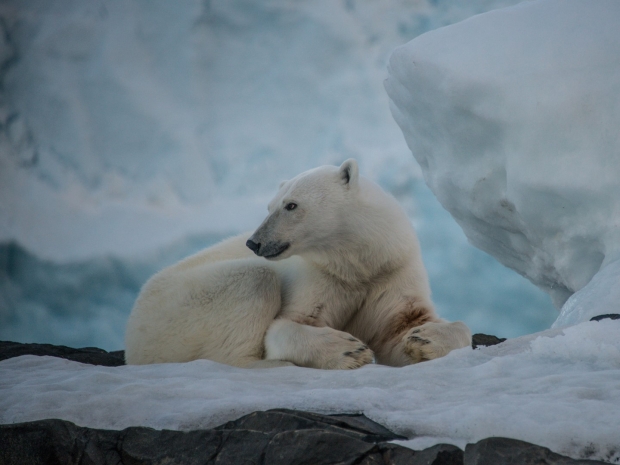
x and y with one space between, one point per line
268 250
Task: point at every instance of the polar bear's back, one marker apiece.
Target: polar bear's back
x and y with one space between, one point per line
229 249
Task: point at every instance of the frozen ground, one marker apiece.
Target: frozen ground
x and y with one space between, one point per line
513 116
559 389
134 133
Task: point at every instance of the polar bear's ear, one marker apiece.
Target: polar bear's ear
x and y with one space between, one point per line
349 173
281 184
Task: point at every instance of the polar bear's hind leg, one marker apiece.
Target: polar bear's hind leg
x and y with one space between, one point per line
247 300
219 311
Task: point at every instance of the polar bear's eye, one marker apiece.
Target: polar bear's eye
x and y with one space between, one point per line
291 206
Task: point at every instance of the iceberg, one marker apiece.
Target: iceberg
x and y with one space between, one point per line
513 116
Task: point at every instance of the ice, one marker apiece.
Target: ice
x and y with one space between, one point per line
559 389
513 116
132 129
141 109
601 296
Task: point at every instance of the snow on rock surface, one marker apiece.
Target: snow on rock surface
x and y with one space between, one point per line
513 116
559 389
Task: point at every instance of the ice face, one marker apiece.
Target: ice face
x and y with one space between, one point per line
513 116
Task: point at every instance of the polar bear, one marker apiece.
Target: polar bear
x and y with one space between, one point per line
332 278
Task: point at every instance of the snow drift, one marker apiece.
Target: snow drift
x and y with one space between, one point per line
513 116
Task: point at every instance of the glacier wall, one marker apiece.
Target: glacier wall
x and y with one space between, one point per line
513 116
134 133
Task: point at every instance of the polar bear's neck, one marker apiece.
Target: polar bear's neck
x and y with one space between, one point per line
372 252
351 270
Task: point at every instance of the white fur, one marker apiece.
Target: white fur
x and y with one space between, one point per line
343 284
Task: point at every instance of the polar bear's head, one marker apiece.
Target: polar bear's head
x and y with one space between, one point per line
309 213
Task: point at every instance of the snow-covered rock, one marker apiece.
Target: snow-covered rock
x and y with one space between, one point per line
559 389
514 117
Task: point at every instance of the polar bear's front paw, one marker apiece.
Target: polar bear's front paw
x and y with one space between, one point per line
344 352
436 339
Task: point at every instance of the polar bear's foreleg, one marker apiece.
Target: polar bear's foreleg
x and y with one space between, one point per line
415 333
315 347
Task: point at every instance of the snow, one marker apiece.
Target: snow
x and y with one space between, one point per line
559 388
134 133
513 116
599 297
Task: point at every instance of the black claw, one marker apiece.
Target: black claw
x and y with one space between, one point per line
352 339
348 354
419 339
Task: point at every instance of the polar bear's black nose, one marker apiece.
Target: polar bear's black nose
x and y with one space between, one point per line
253 246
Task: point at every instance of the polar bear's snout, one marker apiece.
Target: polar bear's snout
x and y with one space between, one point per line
265 241
253 246
266 248
271 249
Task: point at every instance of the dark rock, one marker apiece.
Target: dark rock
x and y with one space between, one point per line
272 421
268 438
273 437
610 316
91 355
480 339
441 454
504 451
61 442
314 446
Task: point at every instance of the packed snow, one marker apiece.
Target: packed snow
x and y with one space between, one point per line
559 389
134 133
513 116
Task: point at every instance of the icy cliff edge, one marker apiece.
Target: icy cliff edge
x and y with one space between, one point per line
513 116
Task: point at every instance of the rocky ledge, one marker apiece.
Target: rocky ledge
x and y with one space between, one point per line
273 437
90 355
